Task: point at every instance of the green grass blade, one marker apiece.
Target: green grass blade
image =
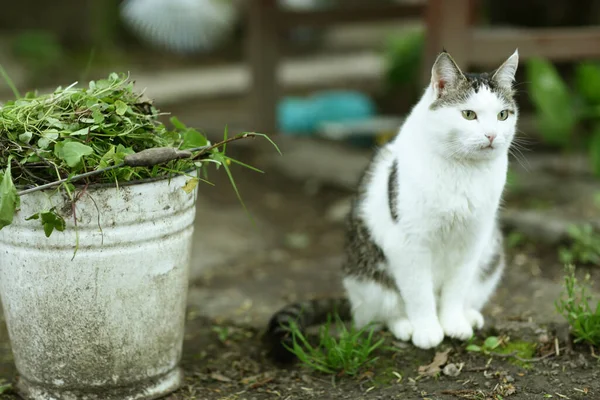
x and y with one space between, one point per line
9 82
233 160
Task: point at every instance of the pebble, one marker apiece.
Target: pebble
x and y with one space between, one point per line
451 370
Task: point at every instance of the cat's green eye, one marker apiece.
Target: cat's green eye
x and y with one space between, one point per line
502 115
470 115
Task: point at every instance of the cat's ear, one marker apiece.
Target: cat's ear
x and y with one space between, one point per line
505 74
445 73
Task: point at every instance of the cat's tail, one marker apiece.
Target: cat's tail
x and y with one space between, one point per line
304 314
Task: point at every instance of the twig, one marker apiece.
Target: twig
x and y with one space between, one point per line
528 360
477 369
460 392
30 174
75 178
175 154
261 382
593 353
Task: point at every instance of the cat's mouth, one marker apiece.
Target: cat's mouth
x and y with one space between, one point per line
488 147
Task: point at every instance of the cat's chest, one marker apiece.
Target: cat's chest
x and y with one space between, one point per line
459 204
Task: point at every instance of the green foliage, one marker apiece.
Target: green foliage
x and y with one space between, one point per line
587 79
575 305
40 49
562 113
403 57
222 332
584 247
515 239
347 354
50 221
519 350
490 344
556 117
47 138
9 200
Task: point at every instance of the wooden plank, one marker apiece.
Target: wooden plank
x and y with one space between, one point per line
490 46
263 58
448 24
327 17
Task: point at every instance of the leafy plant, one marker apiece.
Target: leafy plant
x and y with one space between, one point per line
490 344
519 352
562 112
575 305
91 135
584 247
346 354
556 116
403 55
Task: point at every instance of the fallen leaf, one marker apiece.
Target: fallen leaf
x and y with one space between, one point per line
434 367
366 375
509 390
190 185
261 382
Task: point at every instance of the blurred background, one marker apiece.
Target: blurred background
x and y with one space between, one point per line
328 81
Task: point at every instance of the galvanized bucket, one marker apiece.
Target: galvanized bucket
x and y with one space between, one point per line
107 323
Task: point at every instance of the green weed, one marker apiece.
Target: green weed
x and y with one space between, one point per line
52 138
567 118
575 304
403 54
517 351
515 239
584 247
346 354
223 333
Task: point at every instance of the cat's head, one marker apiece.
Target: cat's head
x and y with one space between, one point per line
476 114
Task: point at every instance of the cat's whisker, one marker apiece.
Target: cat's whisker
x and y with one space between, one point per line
521 145
520 158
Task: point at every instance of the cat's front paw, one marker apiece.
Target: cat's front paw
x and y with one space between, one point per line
428 334
401 328
475 318
456 326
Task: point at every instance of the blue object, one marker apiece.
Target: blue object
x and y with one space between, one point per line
302 116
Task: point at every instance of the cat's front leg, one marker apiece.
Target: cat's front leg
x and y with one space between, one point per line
456 319
412 273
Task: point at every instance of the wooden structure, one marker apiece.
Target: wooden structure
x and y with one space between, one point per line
453 25
450 24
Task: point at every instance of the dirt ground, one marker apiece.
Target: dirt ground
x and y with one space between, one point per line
297 255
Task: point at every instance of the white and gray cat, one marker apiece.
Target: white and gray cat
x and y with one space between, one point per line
423 249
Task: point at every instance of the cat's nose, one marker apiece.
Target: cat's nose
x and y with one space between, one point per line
491 137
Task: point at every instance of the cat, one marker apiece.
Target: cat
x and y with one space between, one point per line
424 250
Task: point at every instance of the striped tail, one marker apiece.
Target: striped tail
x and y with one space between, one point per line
304 314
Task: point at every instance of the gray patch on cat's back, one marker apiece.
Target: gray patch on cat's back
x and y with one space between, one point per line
393 191
363 256
471 83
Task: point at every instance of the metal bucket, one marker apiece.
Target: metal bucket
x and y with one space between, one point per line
107 323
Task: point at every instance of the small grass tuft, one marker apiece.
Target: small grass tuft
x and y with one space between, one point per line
575 306
584 247
346 354
516 351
